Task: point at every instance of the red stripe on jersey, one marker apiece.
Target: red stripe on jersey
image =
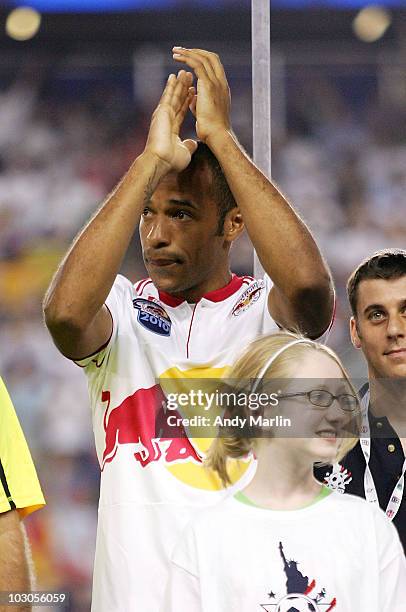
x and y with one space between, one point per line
145 286
142 284
190 329
137 286
218 295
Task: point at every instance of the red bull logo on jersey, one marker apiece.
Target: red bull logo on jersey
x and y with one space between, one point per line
153 317
249 297
140 420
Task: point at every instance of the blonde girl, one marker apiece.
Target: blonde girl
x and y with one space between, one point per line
286 543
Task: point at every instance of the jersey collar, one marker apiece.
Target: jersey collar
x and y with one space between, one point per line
218 295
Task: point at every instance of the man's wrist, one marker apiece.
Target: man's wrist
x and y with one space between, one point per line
147 170
150 162
218 138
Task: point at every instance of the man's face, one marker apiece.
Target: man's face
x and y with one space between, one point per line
178 230
380 328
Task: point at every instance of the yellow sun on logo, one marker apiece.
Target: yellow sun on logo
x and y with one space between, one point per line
207 380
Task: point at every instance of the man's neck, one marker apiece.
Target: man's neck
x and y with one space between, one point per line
194 294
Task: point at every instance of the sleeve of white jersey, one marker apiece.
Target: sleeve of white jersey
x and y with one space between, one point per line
117 303
392 565
268 324
183 590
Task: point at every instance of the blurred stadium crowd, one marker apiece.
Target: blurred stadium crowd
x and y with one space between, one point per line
63 146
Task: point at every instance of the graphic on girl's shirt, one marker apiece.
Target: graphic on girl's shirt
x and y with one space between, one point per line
298 596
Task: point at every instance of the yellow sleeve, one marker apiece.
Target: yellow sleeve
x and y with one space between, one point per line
19 485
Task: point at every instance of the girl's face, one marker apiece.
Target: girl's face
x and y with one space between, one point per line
318 430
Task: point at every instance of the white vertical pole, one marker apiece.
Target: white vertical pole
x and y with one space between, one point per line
261 92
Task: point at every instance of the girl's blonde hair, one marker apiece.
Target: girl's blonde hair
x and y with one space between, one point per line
288 349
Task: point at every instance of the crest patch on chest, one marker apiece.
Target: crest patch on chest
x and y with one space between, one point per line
153 317
249 297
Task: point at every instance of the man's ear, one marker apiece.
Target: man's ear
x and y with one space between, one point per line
355 339
233 225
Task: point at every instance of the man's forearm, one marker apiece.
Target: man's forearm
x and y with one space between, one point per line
284 245
87 273
14 565
274 228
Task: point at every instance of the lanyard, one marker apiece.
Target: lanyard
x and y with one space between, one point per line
370 489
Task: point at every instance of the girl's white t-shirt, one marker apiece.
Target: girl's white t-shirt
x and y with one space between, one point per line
340 554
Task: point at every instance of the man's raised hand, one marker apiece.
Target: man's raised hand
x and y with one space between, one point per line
211 106
163 141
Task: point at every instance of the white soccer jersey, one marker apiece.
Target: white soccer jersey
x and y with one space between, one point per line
151 486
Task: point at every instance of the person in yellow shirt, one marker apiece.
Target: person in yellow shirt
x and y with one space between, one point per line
20 494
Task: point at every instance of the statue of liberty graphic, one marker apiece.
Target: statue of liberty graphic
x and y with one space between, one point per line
296 582
298 592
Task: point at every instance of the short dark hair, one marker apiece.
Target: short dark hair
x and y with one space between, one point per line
220 191
386 264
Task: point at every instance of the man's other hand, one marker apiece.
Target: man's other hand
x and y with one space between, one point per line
211 105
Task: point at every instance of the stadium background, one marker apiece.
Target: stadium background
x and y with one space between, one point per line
75 103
